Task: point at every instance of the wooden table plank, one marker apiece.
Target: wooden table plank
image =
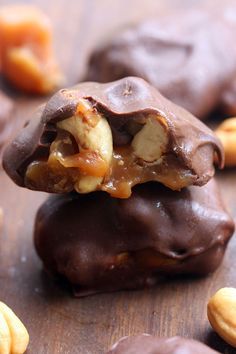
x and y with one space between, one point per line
57 322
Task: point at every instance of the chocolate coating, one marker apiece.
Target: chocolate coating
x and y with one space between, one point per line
99 243
191 145
148 344
228 100
6 106
184 55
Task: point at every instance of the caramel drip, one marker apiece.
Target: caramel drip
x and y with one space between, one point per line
65 166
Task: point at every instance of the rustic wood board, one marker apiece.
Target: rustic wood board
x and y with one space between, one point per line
57 322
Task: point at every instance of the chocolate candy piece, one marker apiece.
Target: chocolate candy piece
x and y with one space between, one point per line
102 244
184 55
111 137
6 106
148 344
228 100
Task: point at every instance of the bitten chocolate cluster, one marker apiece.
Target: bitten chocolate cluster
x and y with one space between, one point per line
131 170
111 137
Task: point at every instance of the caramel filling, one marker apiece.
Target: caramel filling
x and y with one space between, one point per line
82 157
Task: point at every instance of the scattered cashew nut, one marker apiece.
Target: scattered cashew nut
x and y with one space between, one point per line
14 337
150 142
226 132
221 311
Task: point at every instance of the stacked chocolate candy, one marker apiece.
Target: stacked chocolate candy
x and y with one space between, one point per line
133 172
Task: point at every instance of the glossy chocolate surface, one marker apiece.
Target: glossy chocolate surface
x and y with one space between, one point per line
148 344
6 107
99 243
184 55
189 153
228 100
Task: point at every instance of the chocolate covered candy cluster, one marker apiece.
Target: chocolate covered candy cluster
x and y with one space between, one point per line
127 165
182 54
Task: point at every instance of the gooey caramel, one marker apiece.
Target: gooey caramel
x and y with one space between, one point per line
79 159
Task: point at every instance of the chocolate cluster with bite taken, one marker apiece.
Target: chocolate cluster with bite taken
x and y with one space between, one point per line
103 141
110 137
98 243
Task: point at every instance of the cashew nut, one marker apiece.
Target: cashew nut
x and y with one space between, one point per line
221 311
94 138
14 337
150 142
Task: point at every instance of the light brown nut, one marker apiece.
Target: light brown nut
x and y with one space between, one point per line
14 337
151 141
221 311
226 132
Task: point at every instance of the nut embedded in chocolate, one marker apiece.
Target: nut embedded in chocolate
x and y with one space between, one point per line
185 55
145 343
111 137
103 244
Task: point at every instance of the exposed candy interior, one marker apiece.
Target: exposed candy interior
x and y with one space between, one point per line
84 157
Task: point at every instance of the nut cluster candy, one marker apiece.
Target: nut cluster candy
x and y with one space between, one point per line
148 344
102 244
26 55
182 54
104 141
111 137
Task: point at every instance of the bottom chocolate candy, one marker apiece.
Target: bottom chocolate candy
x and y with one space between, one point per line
99 243
148 344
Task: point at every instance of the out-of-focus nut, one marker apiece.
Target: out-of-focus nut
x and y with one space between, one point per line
94 138
14 337
151 141
226 132
1 218
221 311
26 54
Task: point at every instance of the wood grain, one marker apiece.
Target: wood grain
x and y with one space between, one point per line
58 323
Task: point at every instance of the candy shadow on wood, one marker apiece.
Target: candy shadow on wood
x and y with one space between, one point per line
58 286
215 342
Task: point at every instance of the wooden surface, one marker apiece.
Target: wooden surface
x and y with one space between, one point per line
57 322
